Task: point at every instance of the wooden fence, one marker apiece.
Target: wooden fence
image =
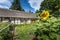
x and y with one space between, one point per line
7 33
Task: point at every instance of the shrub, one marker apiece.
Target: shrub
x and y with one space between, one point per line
5 32
6 35
48 29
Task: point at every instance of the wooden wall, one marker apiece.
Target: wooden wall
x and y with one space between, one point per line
16 20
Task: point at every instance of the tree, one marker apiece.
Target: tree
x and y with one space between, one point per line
16 5
52 5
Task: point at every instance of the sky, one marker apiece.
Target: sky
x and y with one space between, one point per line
27 5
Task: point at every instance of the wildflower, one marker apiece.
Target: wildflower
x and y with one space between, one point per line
44 15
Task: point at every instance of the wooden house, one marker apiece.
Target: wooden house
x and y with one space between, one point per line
16 17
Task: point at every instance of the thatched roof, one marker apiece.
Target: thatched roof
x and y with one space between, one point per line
15 13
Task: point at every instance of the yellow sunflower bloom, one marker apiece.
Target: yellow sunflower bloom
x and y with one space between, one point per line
44 15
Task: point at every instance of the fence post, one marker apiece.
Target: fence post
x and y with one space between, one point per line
12 29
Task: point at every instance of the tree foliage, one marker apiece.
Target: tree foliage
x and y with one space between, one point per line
16 5
52 5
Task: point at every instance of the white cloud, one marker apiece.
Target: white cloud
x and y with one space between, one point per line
4 7
2 1
6 3
35 4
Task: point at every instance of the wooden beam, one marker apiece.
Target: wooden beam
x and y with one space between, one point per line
1 19
20 21
9 19
17 20
14 20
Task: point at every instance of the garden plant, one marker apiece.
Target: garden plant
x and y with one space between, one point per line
48 27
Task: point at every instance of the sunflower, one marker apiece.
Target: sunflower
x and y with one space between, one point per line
44 15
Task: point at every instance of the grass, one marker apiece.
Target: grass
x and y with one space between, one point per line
24 29
3 24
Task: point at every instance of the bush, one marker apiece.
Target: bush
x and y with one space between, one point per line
6 35
5 32
48 29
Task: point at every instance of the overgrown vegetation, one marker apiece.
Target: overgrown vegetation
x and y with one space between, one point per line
5 33
2 25
24 30
48 29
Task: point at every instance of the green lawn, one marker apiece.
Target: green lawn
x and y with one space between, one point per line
24 29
